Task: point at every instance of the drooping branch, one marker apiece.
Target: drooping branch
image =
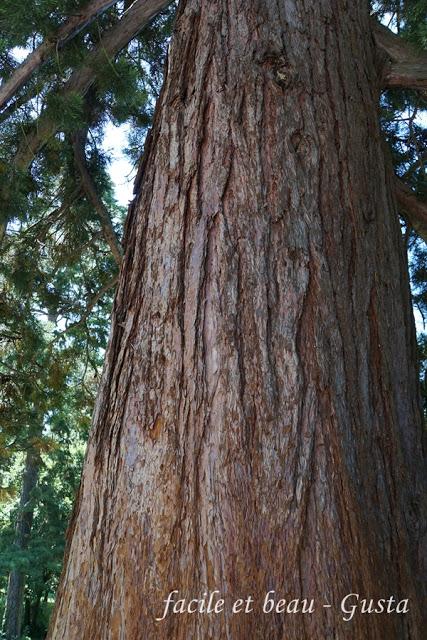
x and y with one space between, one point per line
19 102
412 208
405 66
420 164
66 31
93 302
113 41
92 195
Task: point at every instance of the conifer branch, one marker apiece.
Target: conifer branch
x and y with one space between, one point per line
405 66
412 208
90 190
93 302
19 102
81 80
66 31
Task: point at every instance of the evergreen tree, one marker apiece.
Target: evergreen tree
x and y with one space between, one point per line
90 64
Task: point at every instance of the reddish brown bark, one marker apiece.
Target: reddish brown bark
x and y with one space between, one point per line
406 66
258 426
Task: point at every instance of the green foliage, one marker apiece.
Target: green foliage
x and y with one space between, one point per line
21 23
414 22
54 262
68 110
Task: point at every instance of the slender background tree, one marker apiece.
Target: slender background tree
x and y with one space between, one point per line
60 256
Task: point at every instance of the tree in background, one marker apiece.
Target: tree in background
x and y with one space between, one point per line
82 72
61 248
48 383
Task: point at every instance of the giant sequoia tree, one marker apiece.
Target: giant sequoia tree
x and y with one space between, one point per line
258 425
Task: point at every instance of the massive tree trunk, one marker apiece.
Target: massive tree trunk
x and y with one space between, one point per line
258 426
12 621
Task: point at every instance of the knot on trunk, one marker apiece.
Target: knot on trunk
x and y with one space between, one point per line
279 69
